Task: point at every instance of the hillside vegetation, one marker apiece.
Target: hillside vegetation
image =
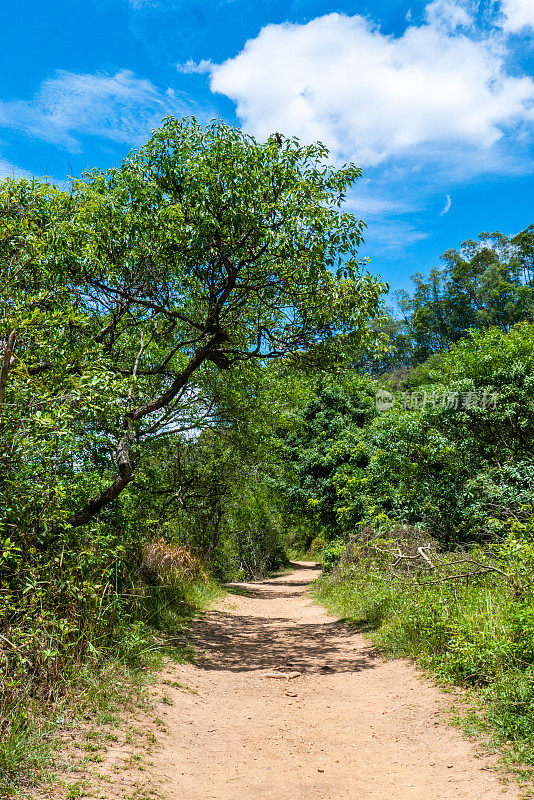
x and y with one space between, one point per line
199 379
420 483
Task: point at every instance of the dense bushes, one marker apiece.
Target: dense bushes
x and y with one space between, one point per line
81 637
453 454
432 502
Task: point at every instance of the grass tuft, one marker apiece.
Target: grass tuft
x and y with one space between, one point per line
96 683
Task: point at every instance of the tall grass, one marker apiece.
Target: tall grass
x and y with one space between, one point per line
53 670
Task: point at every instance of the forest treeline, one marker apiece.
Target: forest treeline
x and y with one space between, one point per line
437 431
199 379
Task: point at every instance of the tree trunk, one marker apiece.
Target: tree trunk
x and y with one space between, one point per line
125 467
6 363
126 474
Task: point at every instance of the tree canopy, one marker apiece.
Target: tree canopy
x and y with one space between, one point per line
203 251
485 283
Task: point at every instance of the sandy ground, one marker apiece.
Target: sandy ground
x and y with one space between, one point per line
349 725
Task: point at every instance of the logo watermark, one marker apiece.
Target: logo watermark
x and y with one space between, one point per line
419 401
384 400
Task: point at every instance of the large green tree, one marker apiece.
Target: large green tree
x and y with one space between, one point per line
204 250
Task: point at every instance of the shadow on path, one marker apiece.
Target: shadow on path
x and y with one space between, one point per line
244 643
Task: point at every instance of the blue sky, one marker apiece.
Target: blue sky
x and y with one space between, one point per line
435 100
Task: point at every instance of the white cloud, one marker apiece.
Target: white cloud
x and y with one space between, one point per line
138 4
448 15
119 107
8 170
518 14
369 96
376 206
447 206
371 201
393 235
191 67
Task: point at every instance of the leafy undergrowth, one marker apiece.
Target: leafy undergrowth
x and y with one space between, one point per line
477 635
95 688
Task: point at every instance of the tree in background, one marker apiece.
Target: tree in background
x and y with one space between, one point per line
485 283
332 421
457 464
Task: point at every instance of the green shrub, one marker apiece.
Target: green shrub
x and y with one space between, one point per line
332 554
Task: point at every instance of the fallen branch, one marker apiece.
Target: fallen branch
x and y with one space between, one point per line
452 578
421 551
399 555
14 646
485 567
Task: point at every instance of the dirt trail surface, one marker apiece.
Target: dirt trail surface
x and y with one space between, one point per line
350 725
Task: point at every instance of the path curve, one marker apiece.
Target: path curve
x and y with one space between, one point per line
350 725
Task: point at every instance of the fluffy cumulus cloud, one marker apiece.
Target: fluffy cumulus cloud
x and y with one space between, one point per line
119 107
370 96
518 15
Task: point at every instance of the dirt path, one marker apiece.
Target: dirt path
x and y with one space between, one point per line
349 726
